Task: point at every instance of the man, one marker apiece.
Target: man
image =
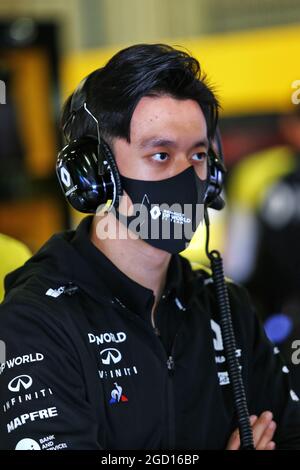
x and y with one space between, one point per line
113 342
264 223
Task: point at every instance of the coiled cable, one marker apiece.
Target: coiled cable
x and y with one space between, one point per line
234 370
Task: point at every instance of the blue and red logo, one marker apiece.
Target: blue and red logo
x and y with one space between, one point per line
117 396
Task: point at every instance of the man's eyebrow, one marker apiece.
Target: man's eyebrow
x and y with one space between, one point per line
162 142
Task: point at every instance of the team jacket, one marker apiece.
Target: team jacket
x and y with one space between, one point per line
86 369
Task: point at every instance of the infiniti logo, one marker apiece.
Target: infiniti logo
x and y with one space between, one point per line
110 355
22 381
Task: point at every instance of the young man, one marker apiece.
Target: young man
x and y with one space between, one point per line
113 342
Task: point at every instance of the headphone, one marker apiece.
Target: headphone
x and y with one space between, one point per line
88 174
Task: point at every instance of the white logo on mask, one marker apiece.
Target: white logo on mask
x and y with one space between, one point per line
55 292
155 212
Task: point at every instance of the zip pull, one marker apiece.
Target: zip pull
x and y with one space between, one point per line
179 304
170 364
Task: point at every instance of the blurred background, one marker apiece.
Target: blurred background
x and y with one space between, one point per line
249 50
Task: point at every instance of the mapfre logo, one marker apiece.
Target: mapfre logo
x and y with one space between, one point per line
22 382
46 413
110 356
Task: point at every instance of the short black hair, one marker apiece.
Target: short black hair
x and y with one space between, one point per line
113 91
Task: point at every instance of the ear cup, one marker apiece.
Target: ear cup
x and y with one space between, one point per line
78 173
108 155
216 171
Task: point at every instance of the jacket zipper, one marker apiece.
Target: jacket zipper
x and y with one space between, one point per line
170 366
170 363
170 397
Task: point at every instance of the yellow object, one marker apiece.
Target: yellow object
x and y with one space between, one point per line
252 71
195 252
13 254
254 175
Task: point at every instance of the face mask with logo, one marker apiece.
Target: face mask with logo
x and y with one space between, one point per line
166 212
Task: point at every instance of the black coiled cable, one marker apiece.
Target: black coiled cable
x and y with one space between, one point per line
234 371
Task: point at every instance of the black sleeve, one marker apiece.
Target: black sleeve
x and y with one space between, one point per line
43 399
270 387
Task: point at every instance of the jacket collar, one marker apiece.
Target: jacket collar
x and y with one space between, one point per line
127 292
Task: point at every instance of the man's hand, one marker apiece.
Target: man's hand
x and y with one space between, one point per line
263 431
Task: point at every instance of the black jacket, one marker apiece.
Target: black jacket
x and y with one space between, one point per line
85 369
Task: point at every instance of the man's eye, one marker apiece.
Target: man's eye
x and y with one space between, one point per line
198 157
160 157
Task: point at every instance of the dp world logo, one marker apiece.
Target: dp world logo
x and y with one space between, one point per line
110 356
19 383
65 177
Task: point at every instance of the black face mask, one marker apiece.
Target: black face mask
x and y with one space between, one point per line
166 212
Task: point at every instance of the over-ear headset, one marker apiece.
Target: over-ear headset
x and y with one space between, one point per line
88 173
86 167
216 173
